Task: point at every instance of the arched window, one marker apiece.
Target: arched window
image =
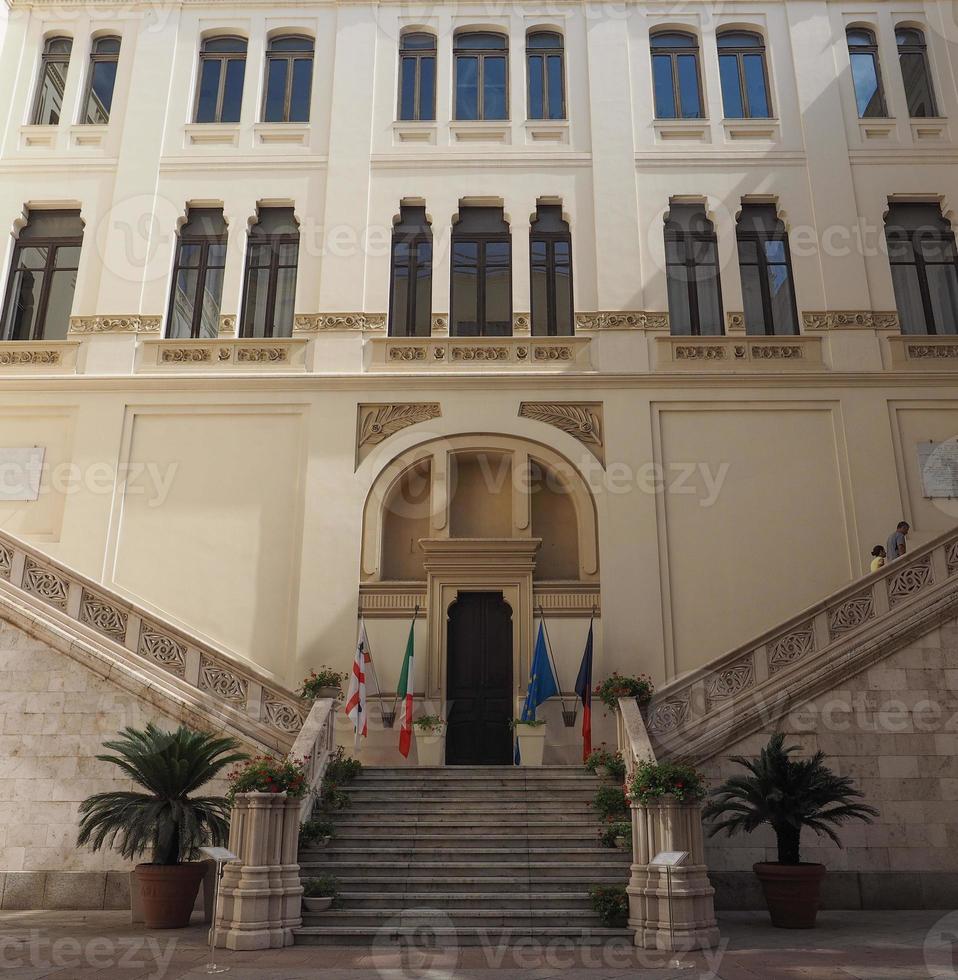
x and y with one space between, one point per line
410 286
481 302
289 79
866 76
915 72
692 272
417 76
481 76
550 253
198 275
924 271
272 254
766 268
54 64
99 91
43 276
222 72
744 76
675 76
546 75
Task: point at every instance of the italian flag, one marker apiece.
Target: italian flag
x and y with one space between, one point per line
405 692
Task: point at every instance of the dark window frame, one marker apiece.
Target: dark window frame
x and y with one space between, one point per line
871 48
202 269
224 57
48 58
674 233
274 55
96 58
760 238
412 240
917 48
275 241
740 52
550 238
418 55
673 52
483 239
544 53
914 237
480 54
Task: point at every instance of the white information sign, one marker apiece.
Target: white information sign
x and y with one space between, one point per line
218 853
20 471
669 859
938 464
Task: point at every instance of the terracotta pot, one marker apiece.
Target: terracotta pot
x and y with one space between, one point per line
791 892
168 893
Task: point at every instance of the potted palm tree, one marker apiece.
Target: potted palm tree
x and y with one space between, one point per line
788 794
167 819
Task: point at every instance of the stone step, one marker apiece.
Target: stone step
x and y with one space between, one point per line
531 899
465 822
471 772
459 918
565 784
340 854
519 885
388 937
384 810
350 837
440 870
361 796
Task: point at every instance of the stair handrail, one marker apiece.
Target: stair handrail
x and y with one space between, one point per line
634 743
840 623
143 637
314 747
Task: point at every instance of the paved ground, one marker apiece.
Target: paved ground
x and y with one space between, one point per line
862 945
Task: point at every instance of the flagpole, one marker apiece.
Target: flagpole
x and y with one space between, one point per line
412 625
374 674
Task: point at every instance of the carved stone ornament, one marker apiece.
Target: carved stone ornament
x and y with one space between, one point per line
790 648
6 561
262 355
37 355
227 326
851 613
581 420
668 715
132 323
282 715
378 422
735 322
552 353
701 352
624 320
909 580
162 649
729 681
223 682
521 324
922 352
185 355
850 319
319 322
46 584
440 325
102 615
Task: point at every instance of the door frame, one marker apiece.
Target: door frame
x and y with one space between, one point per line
455 565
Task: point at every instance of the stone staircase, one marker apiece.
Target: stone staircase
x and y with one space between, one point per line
463 856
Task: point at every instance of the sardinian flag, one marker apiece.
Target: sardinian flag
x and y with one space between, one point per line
356 695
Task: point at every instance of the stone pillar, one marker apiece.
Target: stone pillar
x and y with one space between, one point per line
670 826
260 894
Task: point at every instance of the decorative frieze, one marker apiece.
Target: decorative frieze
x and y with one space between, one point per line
246 353
933 351
39 356
719 352
6 561
321 322
378 422
790 648
162 649
103 615
851 613
622 320
729 681
186 355
478 353
387 600
581 420
45 583
701 352
668 715
282 715
850 320
127 323
905 582
223 682
536 353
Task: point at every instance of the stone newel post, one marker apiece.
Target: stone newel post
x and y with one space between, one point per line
260 894
670 826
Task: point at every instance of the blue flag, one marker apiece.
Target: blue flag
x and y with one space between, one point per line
542 682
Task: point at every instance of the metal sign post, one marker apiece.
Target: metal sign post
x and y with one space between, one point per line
670 860
220 855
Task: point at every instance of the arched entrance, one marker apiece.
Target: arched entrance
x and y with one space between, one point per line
479 680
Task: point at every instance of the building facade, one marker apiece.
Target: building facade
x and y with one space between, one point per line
633 313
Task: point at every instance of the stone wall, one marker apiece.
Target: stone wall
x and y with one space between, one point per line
894 729
54 715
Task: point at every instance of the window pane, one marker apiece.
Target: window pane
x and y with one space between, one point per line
181 316
539 286
50 101
709 300
254 305
212 292
275 91
216 256
554 82
427 88
943 290
233 90
209 87
302 83
754 65
689 86
680 317
289 254
465 258
34 257
475 41
259 254
563 286
662 85
422 325
102 79
732 103
283 304
775 251
498 289
494 88
467 89
24 299
914 73
189 256
752 300
407 94
911 312
536 97
780 297
400 298
865 77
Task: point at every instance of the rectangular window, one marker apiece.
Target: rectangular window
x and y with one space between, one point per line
550 253
692 272
198 276
410 290
481 274
271 260
765 265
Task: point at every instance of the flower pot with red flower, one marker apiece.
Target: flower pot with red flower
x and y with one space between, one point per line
621 686
324 683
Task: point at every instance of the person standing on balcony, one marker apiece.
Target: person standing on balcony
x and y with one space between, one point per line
895 546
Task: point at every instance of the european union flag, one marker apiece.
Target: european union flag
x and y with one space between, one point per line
542 682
